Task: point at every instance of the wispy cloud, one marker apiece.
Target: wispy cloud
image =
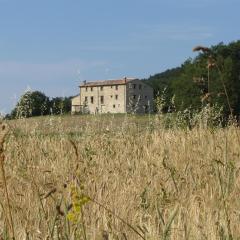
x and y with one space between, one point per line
35 71
59 78
189 34
197 3
180 32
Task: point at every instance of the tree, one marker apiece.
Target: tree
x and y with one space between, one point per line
223 64
186 88
213 77
31 103
162 84
60 105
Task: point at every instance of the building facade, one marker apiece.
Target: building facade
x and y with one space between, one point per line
125 95
76 104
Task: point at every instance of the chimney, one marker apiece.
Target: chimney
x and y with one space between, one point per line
85 82
125 78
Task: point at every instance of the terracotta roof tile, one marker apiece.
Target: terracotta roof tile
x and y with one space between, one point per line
107 82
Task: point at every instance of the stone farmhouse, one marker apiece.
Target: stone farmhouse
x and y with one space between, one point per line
127 95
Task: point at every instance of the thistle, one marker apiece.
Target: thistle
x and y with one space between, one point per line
201 48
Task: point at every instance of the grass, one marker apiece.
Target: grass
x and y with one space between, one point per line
119 177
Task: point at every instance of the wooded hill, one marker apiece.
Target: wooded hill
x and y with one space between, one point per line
213 77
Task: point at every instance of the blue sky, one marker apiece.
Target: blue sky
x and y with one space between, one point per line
52 45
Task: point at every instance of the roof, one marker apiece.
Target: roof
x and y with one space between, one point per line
107 82
75 96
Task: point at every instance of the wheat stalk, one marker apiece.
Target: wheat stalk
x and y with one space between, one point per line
3 134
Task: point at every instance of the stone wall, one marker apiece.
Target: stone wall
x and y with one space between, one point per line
75 104
104 99
134 96
139 97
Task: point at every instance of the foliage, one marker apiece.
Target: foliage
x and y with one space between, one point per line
196 83
31 103
60 105
35 103
161 82
185 90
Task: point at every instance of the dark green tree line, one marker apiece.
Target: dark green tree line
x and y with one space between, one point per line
213 77
35 103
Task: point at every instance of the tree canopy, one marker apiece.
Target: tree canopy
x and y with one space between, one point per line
213 77
35 103
31 103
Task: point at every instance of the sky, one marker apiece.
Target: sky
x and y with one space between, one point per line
53 45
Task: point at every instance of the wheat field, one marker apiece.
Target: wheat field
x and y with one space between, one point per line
118 177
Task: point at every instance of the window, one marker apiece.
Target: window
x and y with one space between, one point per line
86 99
134 96
101 88
91 89
145 97
140 86
111 86
114 105
102 99
116 97
111 96
134 86
92 99
116 87
86 89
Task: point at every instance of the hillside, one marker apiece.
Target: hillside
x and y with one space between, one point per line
163 80
213 77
